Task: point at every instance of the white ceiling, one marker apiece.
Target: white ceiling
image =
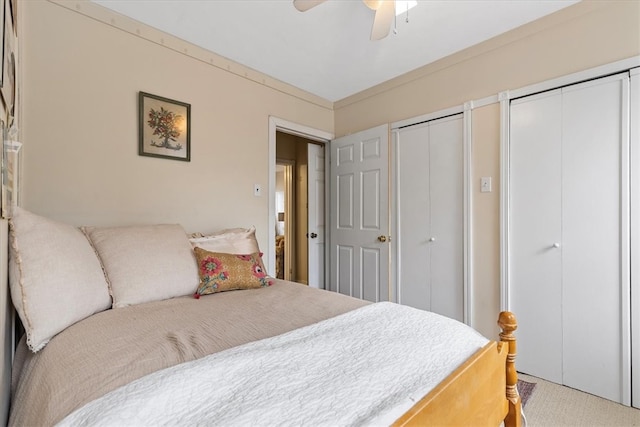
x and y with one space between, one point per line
326 50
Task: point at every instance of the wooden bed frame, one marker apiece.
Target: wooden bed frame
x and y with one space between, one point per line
482 391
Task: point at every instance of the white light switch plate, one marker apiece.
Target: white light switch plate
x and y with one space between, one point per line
485 184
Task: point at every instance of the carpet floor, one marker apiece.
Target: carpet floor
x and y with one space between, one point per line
557 406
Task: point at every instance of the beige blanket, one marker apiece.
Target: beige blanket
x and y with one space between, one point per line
117 346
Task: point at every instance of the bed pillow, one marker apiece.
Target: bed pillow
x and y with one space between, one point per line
229 241
55 276
221 272
145 263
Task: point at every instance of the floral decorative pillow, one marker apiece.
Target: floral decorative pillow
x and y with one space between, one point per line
221 272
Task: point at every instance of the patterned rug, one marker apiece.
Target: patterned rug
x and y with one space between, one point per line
526 390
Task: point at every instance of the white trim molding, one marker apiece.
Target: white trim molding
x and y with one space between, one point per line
467 204
634 228
504 100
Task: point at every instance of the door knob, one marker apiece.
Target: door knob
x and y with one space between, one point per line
313 235
432 239
382 239
556 245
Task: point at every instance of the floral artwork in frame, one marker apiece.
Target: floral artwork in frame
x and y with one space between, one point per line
164 127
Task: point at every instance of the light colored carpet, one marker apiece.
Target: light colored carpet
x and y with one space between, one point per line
554 405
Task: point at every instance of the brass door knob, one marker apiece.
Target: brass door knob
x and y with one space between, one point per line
382 239
313 235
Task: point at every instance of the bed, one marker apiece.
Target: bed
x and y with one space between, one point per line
259 351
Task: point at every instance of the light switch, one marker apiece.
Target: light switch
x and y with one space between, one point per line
485 184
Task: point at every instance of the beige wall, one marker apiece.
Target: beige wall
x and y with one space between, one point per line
485 219
580 37
81 165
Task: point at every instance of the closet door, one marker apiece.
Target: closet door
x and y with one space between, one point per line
569 236
536 232
430 216
595 262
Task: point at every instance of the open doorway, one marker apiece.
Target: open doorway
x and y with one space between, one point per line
299 210
291 203
303 149
286 267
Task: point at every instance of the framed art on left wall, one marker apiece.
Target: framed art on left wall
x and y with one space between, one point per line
164 127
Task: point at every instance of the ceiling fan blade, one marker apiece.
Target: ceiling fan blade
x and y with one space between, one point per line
382 20
304 5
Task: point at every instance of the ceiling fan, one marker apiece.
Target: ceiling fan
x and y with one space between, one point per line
385 11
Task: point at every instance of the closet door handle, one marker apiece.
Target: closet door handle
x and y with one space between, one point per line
432 239
555 245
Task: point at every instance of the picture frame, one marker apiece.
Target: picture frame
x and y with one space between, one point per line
8 61
2 37
164 127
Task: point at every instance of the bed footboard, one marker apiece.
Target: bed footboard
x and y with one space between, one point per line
482 391
508 324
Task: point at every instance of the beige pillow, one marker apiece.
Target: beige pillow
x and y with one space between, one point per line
221 272
231 241
55 276
145 263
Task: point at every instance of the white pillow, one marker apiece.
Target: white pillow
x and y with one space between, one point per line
55 276
238 241
145 263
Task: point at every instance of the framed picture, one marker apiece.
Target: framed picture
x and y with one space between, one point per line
2 36
164 127
8 61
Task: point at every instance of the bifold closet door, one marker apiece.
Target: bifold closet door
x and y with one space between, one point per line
429 202
569 259
535 215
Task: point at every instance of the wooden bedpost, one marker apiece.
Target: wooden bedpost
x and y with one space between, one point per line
508 324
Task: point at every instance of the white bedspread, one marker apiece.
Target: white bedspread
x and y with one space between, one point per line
367 366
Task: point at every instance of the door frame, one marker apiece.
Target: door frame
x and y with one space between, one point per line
634 111
285 126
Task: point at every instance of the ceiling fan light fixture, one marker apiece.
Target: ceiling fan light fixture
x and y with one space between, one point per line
403 6
372 4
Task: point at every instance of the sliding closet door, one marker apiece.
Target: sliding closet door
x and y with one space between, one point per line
569 235
429 203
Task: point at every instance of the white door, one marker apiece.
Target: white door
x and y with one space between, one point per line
315 227
535 231
360 214
429 215
569 216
